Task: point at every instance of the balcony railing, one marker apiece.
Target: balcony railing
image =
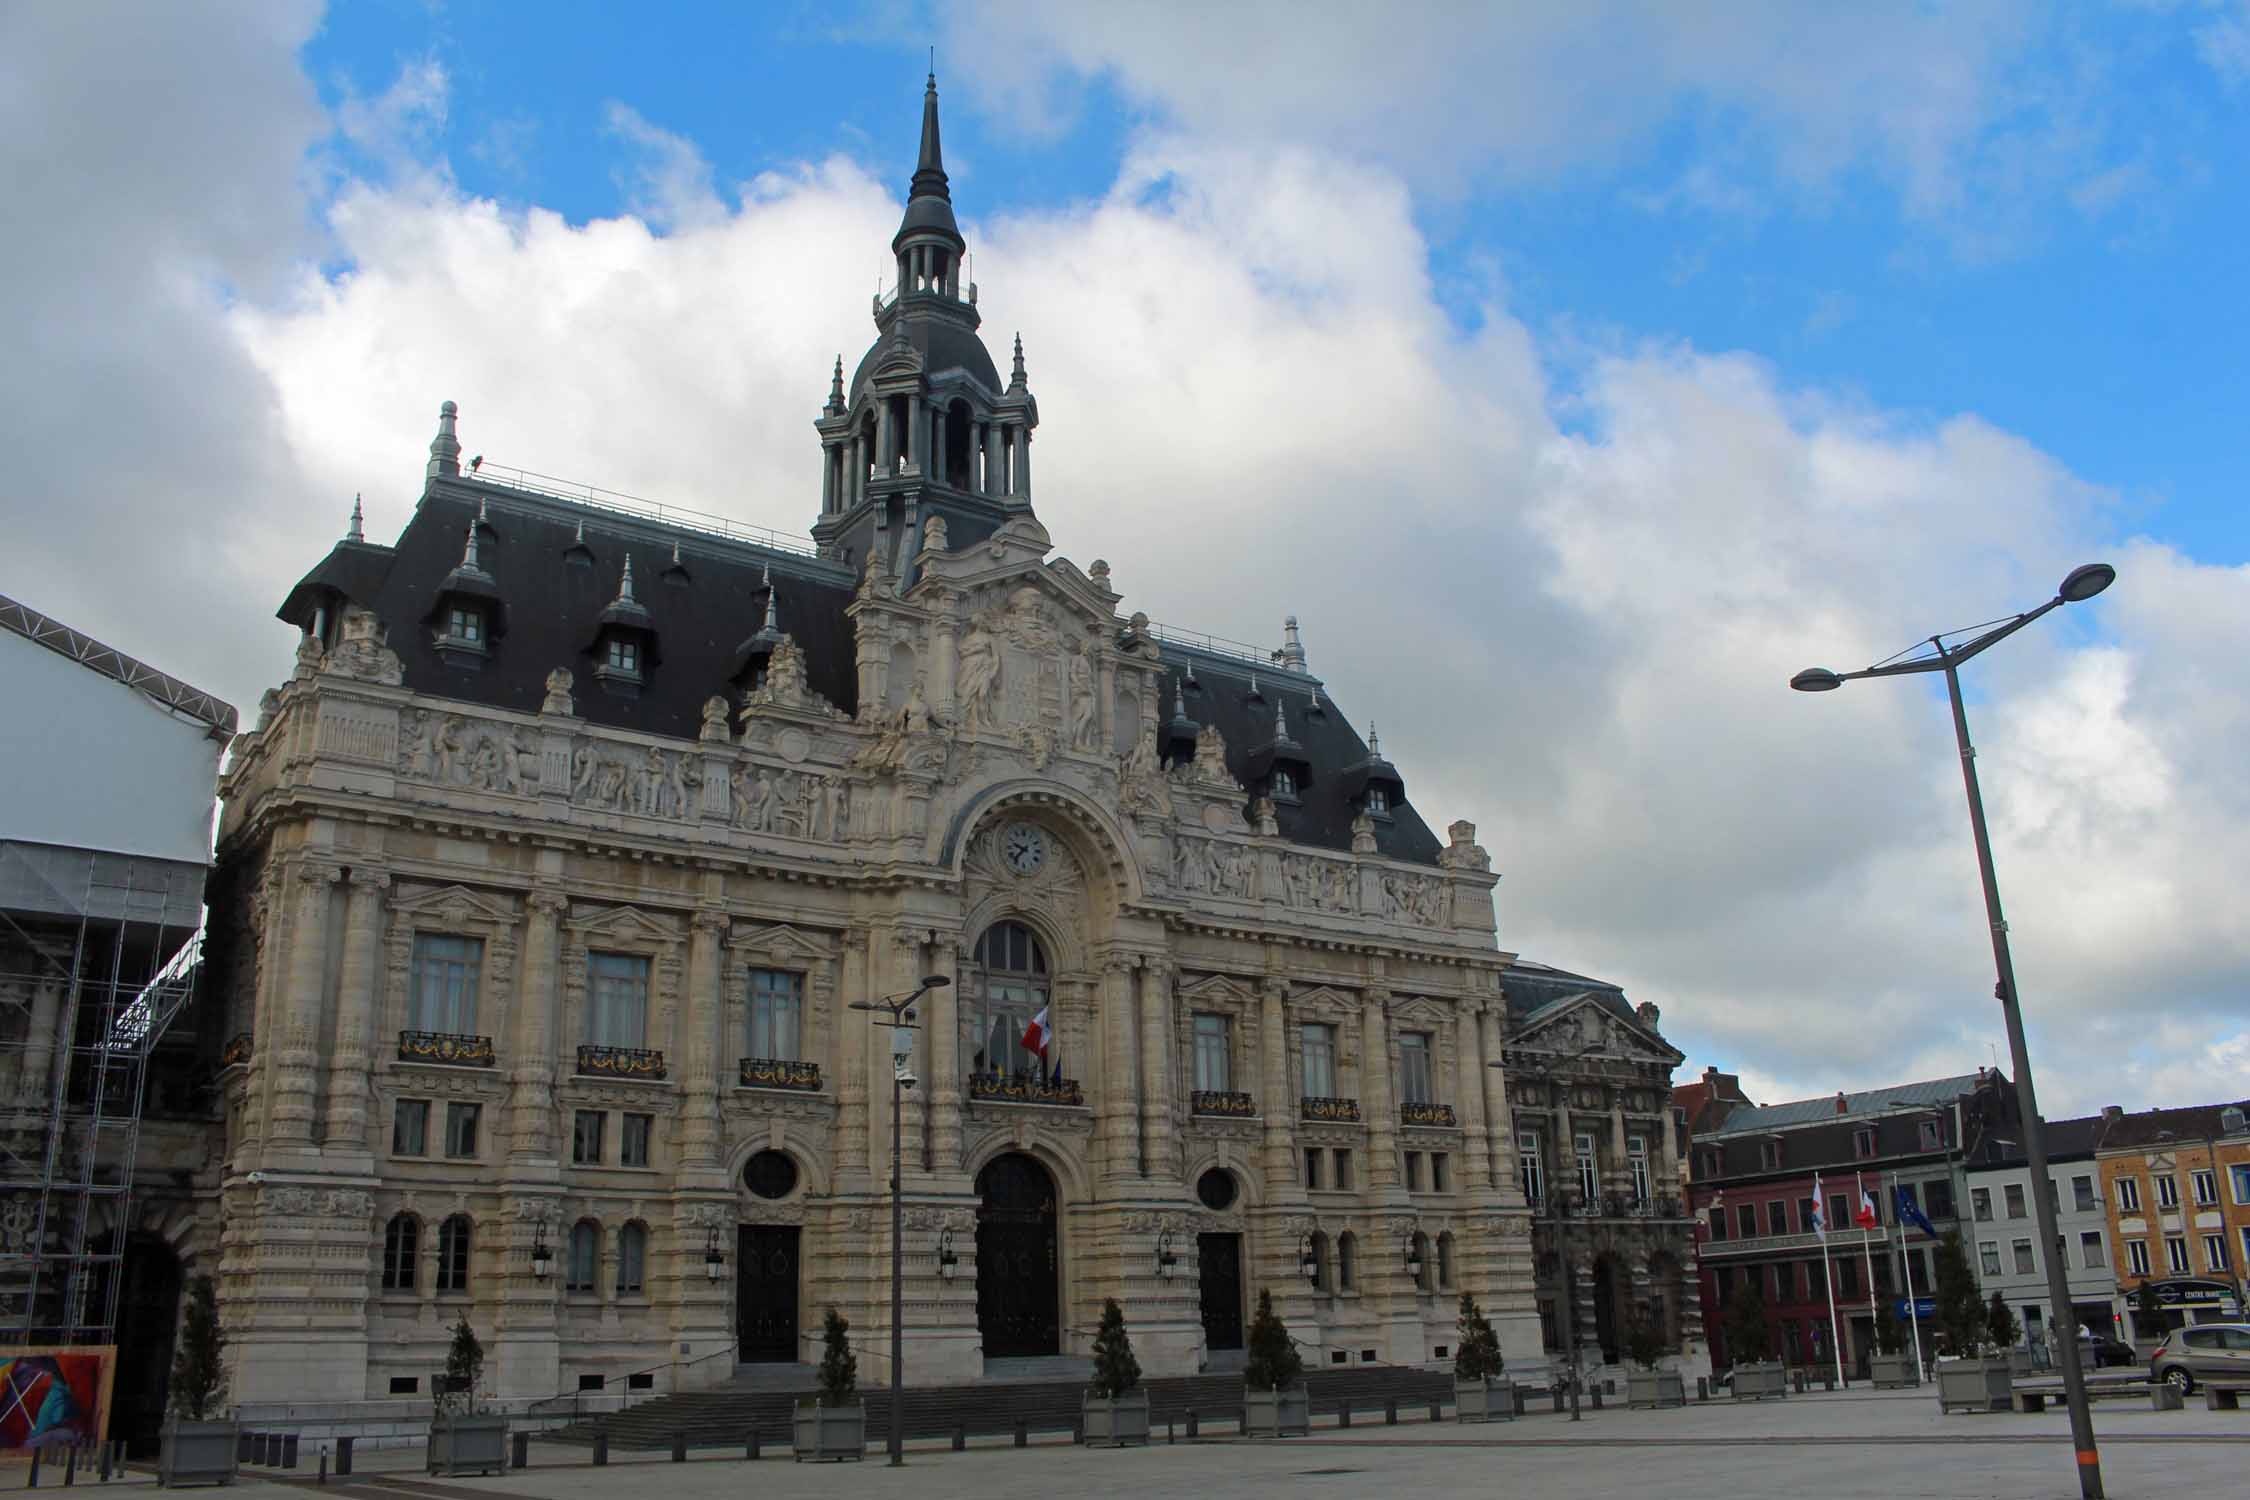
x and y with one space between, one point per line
1025 1088
237 1050
1222 1102
776 1073
620 1062
446 1047
1426 1114
1328 1109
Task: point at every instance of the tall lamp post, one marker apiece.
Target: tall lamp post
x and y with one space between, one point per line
2083 583
898 1014
1566 1275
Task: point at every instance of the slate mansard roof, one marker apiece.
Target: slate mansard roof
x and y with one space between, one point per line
703 610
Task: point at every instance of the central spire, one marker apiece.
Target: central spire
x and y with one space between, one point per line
929 201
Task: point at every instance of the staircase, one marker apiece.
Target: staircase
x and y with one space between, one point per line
727 1416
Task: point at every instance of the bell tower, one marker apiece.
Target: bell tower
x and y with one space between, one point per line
925 425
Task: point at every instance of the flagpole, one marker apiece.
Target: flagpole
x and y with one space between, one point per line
1867 1248
1913 1312
1828 1276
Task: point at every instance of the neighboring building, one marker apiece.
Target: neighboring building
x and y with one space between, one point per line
551 879
2176 1187
1753 1183
2003 1236
108 775
1701 1107
1598 1154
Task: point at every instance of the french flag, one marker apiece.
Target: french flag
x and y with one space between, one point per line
1866 1217
1038 1035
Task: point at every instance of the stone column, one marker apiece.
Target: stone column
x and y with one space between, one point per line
1499 1114
1023 460
1668 1132
1157 1067
1120 1110
700 1015
942 1017
348 1080
1617 1162
1274 1102
856 489
851 1060
1376 1096
531 1081
917 434
1468 1088
886 443
994 465
299 1055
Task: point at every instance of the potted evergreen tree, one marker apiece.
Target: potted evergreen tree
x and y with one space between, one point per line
2003 1334
1892 1364
2148 1316
1648 1384
465 1437
834 1424
1117 1402
197 1445
1274 1403
1966 1380
1480 1394
1756 1373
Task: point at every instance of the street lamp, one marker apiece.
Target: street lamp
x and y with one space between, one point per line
899 1015
1308 1264
2082 583
1566 1278
714 1262
1166 1260
542 1259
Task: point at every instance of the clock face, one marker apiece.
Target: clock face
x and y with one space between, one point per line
1023 847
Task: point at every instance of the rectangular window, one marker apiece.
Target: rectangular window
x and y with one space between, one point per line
586 1137
1320 1060
617 1000
1980 1204
2167 1191
1847 1277
444 997
1711 1166
2090 1251
2015 1200
2246 1244
1839 1215
1918 1271
464 624
1636 1156
1414 1068
1746 1219
1806 1212
1438 1183
1940 1196
1816 1281
1414 1171
1863 1143
777 1014
410 1128
2024 1263
2128 1195
2082 1194
1340 1162
1212 1055
1531 1166
1932 1135
2175 1254
1777 1217
632 1142
2241 1177
1718 1221
2214 1252
1769 1155
461 1131
1312 1167
2206 1187
624 655
2136 1257
1988 1256
1589 1170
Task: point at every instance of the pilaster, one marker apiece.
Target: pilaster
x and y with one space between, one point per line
348 1073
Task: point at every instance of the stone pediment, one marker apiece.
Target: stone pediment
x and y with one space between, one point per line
1582 1025
780 942
623 924
1322 1001
455 905
1217 989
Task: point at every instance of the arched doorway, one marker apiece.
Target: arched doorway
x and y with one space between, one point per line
1608 1293
1019 1285
148 1312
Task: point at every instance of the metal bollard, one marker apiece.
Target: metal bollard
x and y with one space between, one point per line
750 1448
1192 1425
1520 1395
1702 1387
31 1482
323 1466
601 1446
1557 1393
343 1456
520 1458
960 1437
679 1447
1023 1433
1390 1411
1596 1393
70 1466
106 1450
1170 1436
1437 1411
1344 1415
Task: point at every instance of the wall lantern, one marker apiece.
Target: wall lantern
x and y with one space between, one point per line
1308 1264
714 1263
1414 1257
542 1259
1165 1259
947 1261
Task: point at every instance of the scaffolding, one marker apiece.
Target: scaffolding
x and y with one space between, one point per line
99 952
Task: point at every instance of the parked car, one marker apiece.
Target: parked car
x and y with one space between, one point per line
2099 1350
2205 1351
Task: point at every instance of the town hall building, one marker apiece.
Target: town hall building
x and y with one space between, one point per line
554 882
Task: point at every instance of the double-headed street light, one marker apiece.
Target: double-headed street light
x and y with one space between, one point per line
898 1014
1936 655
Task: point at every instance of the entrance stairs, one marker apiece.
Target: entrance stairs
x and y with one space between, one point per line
726 1417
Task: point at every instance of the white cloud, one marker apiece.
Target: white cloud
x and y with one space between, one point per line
1570 584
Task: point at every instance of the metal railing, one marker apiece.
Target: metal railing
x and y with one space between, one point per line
451 1048
627 1392
1223 1102
1424 1113
1315 1108
637 506
1216 645
620 1062
1024 1088
778 1073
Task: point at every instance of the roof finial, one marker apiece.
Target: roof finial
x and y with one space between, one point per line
481 519
445 448
625 584
358 531
1374 742
1019 359
469 553
836 386
929 167
581 531
1280 721
675 554
1292 652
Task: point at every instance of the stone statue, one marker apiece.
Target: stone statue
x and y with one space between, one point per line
558 700
933 535
714 721
980 678
1083 728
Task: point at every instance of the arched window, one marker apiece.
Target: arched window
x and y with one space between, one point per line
1320 1262
585 1255
1012 981
1445 1259
1347 1262
632 1259
1422 1280
453 1254
402 1238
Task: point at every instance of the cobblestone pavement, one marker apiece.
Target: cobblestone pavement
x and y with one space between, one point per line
1838 1446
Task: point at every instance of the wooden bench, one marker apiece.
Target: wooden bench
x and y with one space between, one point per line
2224 1395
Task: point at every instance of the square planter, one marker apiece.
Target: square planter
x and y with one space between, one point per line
1894 1372
1117 1420
1277 1413
829 1431
1974 1384
1484 1400
1649 1389
1759 1381
473 1444
197 1452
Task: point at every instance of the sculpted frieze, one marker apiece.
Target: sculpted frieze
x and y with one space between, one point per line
651 783
453 750
1320 884
1420 900
792 803
1214 868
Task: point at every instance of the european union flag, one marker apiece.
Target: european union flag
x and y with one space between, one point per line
1910 1212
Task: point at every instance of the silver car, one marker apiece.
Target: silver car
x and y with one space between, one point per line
2205 1351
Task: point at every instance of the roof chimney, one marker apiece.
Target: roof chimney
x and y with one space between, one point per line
1841 1107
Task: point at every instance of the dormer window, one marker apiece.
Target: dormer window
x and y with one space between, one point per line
624 656
465 626
1378 802
1284 782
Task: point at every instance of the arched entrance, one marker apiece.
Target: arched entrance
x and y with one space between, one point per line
1019 1285
148 1311
1608 1295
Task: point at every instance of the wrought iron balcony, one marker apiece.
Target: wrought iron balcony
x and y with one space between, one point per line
446 1047
1222 1102
620 1062
1024 1088
1328 1109
778 1073
237 1050
1413 1113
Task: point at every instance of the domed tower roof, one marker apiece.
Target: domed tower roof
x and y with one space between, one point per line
929 202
